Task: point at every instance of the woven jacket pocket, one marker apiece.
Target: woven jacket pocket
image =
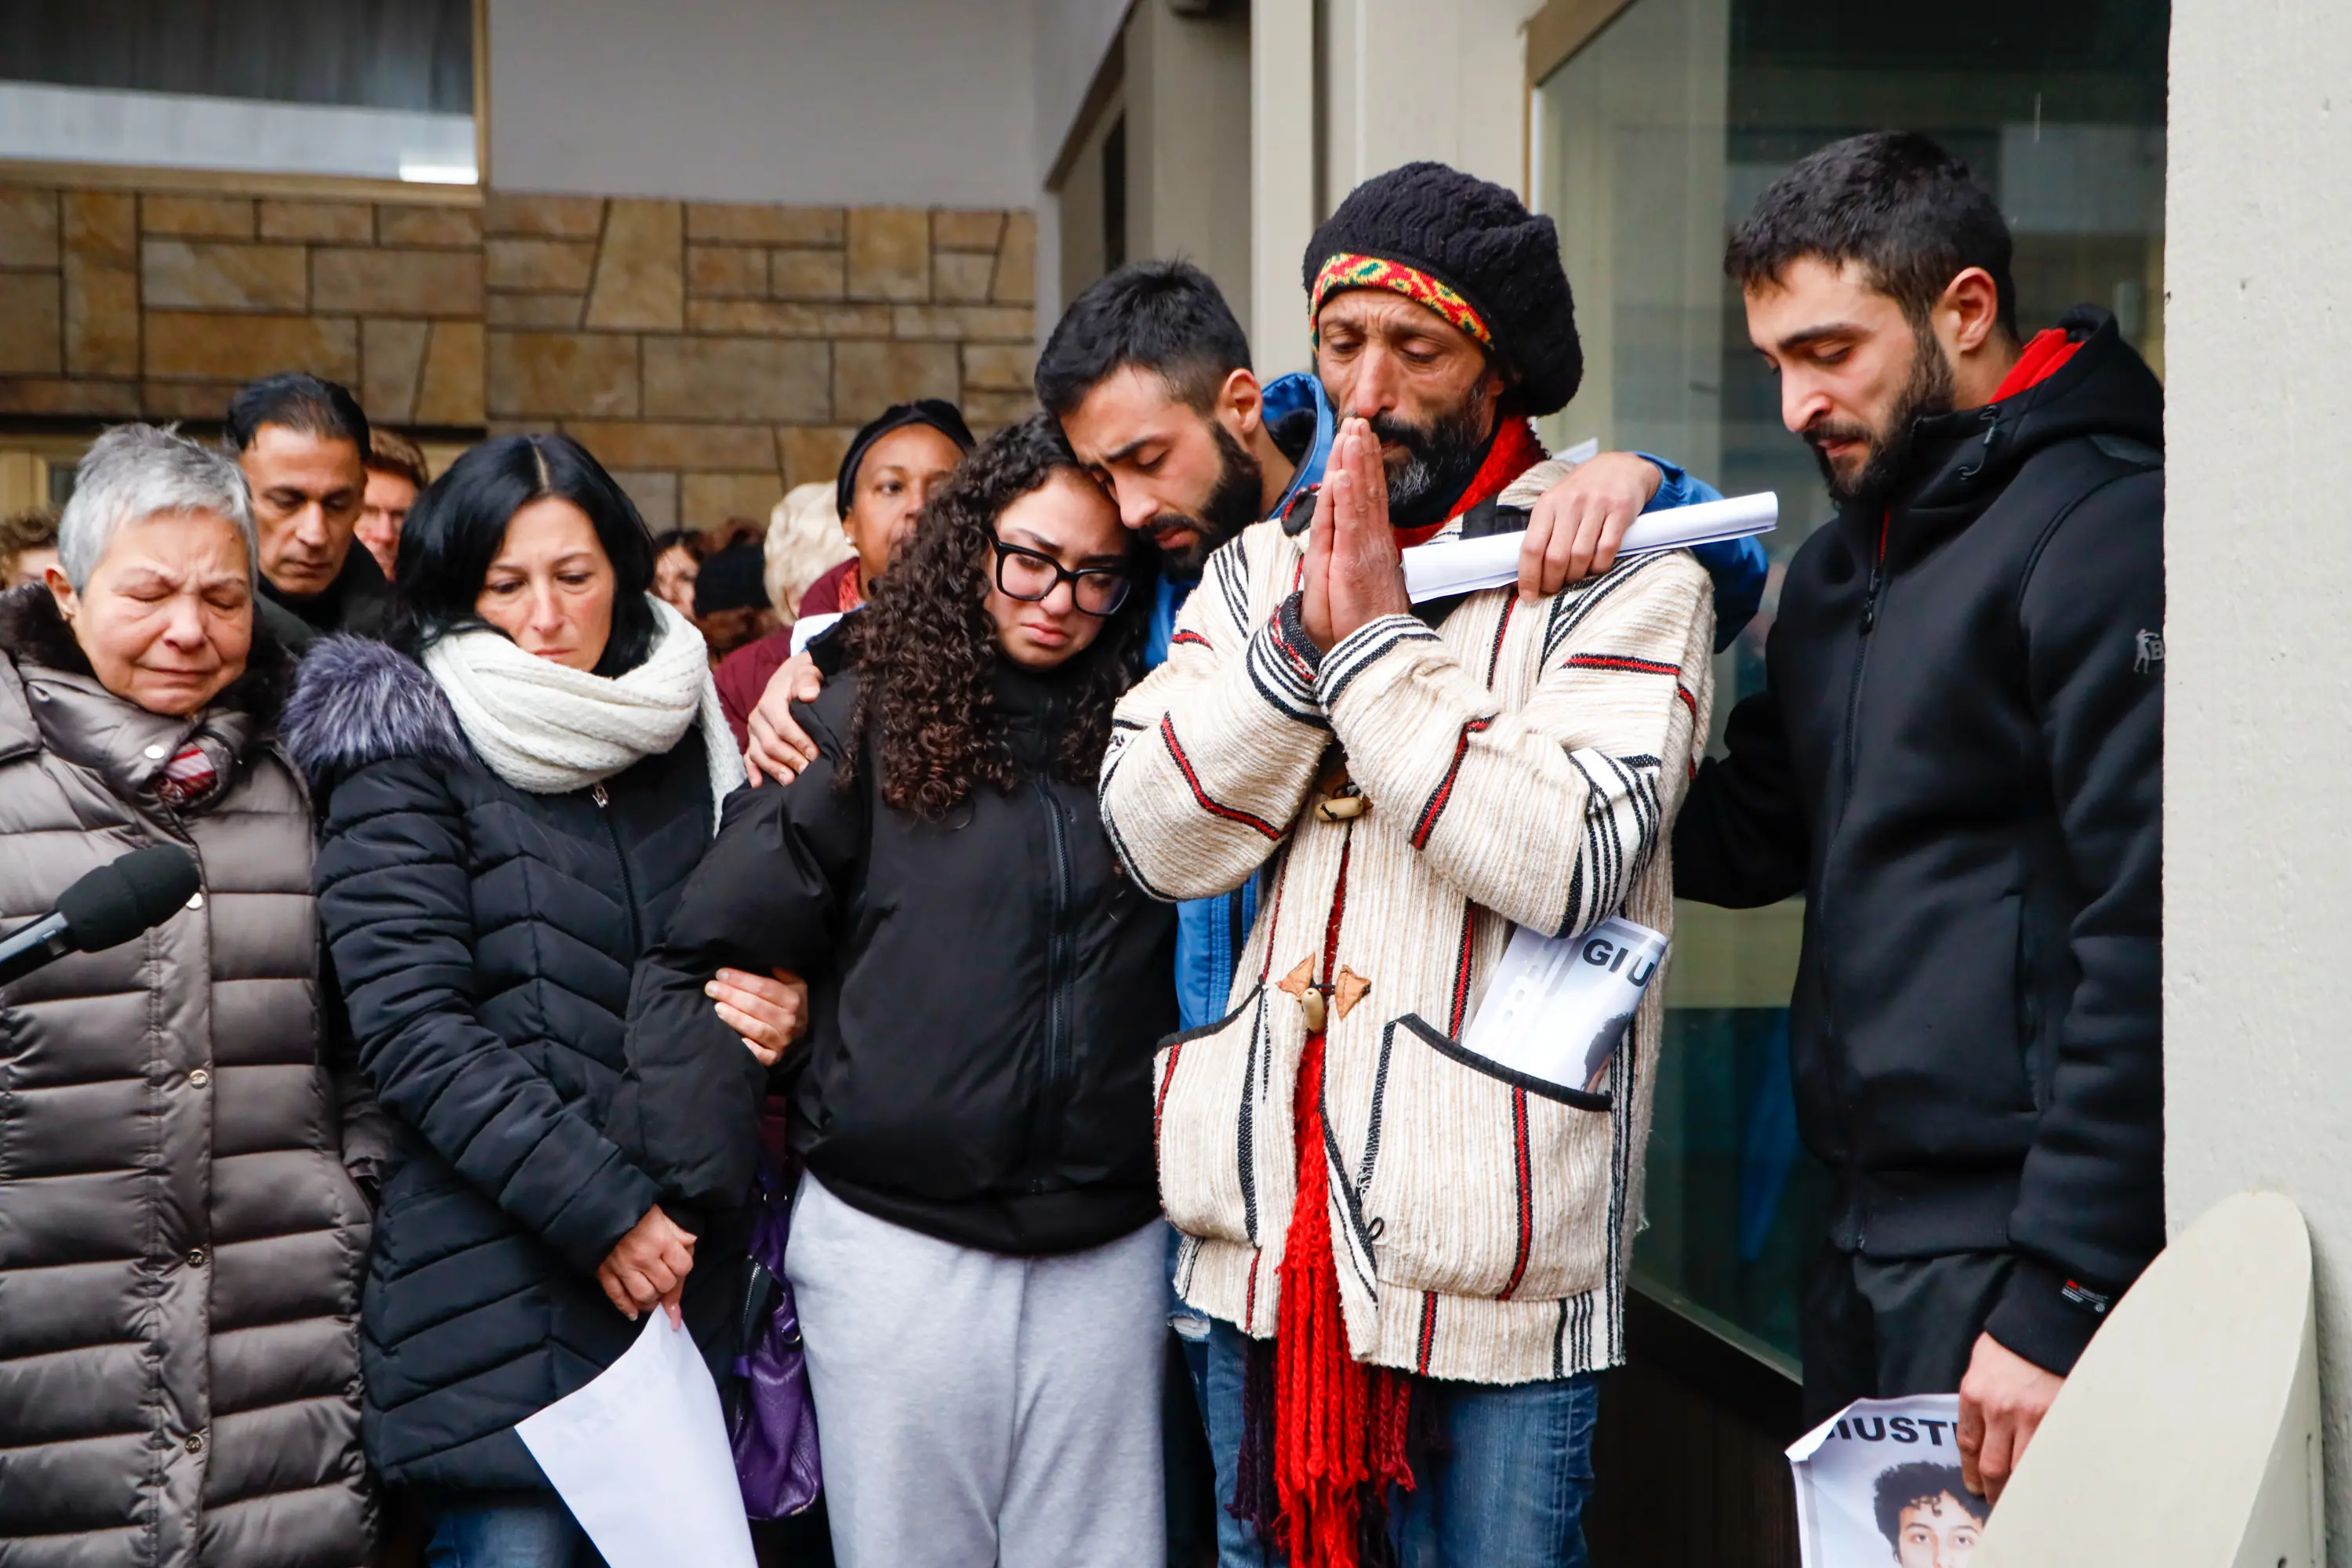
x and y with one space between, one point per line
1476 1181
1220 1123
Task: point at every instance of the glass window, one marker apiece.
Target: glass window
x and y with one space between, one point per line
1649 143
368 88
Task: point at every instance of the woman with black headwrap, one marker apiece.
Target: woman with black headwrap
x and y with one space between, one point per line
891 468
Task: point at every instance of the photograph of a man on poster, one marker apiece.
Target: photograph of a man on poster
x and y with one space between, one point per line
1928 1515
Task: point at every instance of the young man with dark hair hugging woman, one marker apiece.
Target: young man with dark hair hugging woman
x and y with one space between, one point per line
975 1252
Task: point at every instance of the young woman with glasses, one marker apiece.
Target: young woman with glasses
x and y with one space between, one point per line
976 1251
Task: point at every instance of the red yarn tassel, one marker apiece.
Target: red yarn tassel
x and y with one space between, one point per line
1340 1426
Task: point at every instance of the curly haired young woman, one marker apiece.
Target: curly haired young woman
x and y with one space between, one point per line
976 1251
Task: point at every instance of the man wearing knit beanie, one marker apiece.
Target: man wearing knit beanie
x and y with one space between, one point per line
1394 1235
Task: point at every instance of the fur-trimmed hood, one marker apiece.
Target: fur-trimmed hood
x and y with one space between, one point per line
357 701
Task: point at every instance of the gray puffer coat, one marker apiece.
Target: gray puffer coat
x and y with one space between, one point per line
181 1240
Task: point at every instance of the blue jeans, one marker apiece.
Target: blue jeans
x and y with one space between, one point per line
1509 1488
508 1529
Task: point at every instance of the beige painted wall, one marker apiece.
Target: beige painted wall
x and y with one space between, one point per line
1424 79
823 102
1188 142
2258 743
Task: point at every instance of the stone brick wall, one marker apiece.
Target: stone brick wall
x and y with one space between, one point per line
703 350
711 354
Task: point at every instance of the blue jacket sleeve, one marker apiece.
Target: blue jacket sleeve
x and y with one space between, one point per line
1737 565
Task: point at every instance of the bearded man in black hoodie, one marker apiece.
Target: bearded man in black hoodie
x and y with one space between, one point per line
1956 757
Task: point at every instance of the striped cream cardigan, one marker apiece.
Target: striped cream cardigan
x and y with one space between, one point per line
1409 795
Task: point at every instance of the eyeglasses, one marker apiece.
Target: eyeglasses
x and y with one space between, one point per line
1030 576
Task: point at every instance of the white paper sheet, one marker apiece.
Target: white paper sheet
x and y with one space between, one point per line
1904 1452
1558 1006
1465 566
640 1456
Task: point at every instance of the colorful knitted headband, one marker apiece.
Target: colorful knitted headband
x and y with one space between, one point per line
1348 272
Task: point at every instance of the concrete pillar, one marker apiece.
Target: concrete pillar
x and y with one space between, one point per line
2258 742
1426 79
1188 142
1283 213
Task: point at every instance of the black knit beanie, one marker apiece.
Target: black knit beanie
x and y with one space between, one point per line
935 412
734 579
1482 250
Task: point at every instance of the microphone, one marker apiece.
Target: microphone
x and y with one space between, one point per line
103 909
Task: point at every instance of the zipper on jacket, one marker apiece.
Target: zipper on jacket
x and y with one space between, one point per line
1846 791
628 884
1862 657
1059 1003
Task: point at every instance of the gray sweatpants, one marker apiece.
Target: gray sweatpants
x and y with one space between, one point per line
973 1408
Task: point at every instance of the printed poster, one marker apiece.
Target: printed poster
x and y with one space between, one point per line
1879 1486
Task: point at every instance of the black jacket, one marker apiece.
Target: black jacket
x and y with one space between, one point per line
1956 758
359 600
484 938
987 992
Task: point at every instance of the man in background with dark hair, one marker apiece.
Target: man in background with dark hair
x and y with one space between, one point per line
1956 759
302 443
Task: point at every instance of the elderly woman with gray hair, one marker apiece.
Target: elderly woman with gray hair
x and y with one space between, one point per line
182 1223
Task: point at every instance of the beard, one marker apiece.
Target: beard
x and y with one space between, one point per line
1230 507
1927 392
1439 458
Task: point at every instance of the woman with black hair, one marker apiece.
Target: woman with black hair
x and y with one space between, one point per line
515 790
976 1252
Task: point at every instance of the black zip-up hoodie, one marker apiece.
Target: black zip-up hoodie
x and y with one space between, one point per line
1956 758
987 991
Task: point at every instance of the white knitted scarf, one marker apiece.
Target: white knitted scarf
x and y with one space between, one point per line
548 729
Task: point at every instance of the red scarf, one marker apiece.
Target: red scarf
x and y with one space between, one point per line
1339 1425
1513 452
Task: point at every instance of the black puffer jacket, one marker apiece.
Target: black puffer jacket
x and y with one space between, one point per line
484 938
1958 757
987 991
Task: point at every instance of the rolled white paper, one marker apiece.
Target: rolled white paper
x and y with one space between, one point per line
1467 566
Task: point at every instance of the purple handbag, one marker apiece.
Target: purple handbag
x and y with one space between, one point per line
774 1424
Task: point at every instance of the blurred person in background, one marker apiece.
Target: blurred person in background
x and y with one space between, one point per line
731 599
188 1152
302 443
893 465
396 472
805 541
677 559
28 546
515 790
975 1252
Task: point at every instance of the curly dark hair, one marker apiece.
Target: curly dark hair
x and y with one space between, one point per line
1921 1482
926 649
